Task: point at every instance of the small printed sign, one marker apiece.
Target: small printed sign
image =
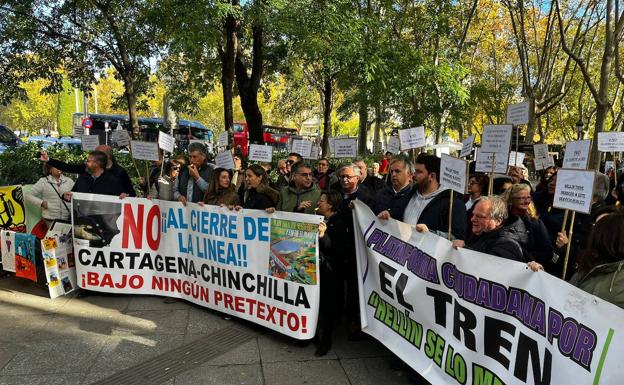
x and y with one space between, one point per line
144 150
453 173
576 154
412 138
574 190
89 142
260 153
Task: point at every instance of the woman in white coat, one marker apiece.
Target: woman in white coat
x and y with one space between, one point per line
47 193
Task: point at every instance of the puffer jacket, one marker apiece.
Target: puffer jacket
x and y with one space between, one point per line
605 281
259 198
290 198
44 190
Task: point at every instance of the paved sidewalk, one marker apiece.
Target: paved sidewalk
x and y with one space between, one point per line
73 341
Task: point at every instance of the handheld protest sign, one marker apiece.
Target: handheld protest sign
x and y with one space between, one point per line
567 254
345 148
260 153
576 155
144 150
89 142
518 113
166 142
491 162
314 152
516 158
223 139
467 146
394 145
302 147
453 177
225 160
574 190
540 154
612 141
496 138
332 142
121 138
412 138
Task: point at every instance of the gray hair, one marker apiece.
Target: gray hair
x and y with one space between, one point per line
499 207
601 186
196 146
354 167
406 162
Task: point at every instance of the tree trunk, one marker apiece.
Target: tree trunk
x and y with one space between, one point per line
363 128
602 110
378 121
248 85
228 58
132 106
328 105
170 117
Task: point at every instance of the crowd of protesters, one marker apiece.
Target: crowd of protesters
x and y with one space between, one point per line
516 222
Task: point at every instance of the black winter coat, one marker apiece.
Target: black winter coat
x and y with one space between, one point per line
436 214
496 243
260 198
395 203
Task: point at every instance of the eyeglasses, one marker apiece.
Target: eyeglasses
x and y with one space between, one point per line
305 174
348 177
290 161
175 168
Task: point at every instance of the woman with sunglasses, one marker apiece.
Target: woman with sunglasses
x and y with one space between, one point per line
525 227
221 190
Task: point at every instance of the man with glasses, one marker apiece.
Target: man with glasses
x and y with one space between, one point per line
390 202
301 195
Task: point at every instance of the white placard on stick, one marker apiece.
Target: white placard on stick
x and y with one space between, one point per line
331 145
518 113
540 153
484 162
412 138
89 142
516 158
394 145
611 141
467 146
302 147
345 148
260 153
574 190
121 138
166 142
225 160
223 139
453 173
314 153
496 138
576 154
144 150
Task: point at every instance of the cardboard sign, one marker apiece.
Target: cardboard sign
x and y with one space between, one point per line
89 142
166 142
144 150
412 138
484 162
576 154
453 173
223 139
260 153
121 138
574 190
394 145
611 141
314 153
345 148
467 146
540 153
302 147
516 158
225 160
496 138
518 113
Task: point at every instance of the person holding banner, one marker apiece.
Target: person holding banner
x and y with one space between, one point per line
390 202
221 190
163 187
258 194
97 179
47 193
192 183
301 195
477 186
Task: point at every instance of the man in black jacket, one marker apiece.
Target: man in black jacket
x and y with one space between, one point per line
489 235
390 202
97 179
192 182
371 182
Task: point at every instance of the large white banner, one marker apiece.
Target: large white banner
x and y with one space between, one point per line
252 265
459 316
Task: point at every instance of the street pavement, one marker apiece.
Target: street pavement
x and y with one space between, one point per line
132 339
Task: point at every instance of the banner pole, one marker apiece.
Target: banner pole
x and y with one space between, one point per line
491 185
615 168
567 255
133 161
517 144
565 221
162 164
450 217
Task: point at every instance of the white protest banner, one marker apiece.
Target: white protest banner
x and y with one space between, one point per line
121 138
576 154
516 158
314 152
144 150
467 146
463 317
540 153
225 160
484 162
609 165
223 139
518 113
89 142
260 153
302 147
453 174
345 148
612 141
394 145
249 264
496 138
166 142
412 138
574 190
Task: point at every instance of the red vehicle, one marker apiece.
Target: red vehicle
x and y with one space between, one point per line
275 136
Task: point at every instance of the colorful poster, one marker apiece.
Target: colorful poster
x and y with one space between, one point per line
25 266
7 247
253 265
463 317
12 212
58 258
